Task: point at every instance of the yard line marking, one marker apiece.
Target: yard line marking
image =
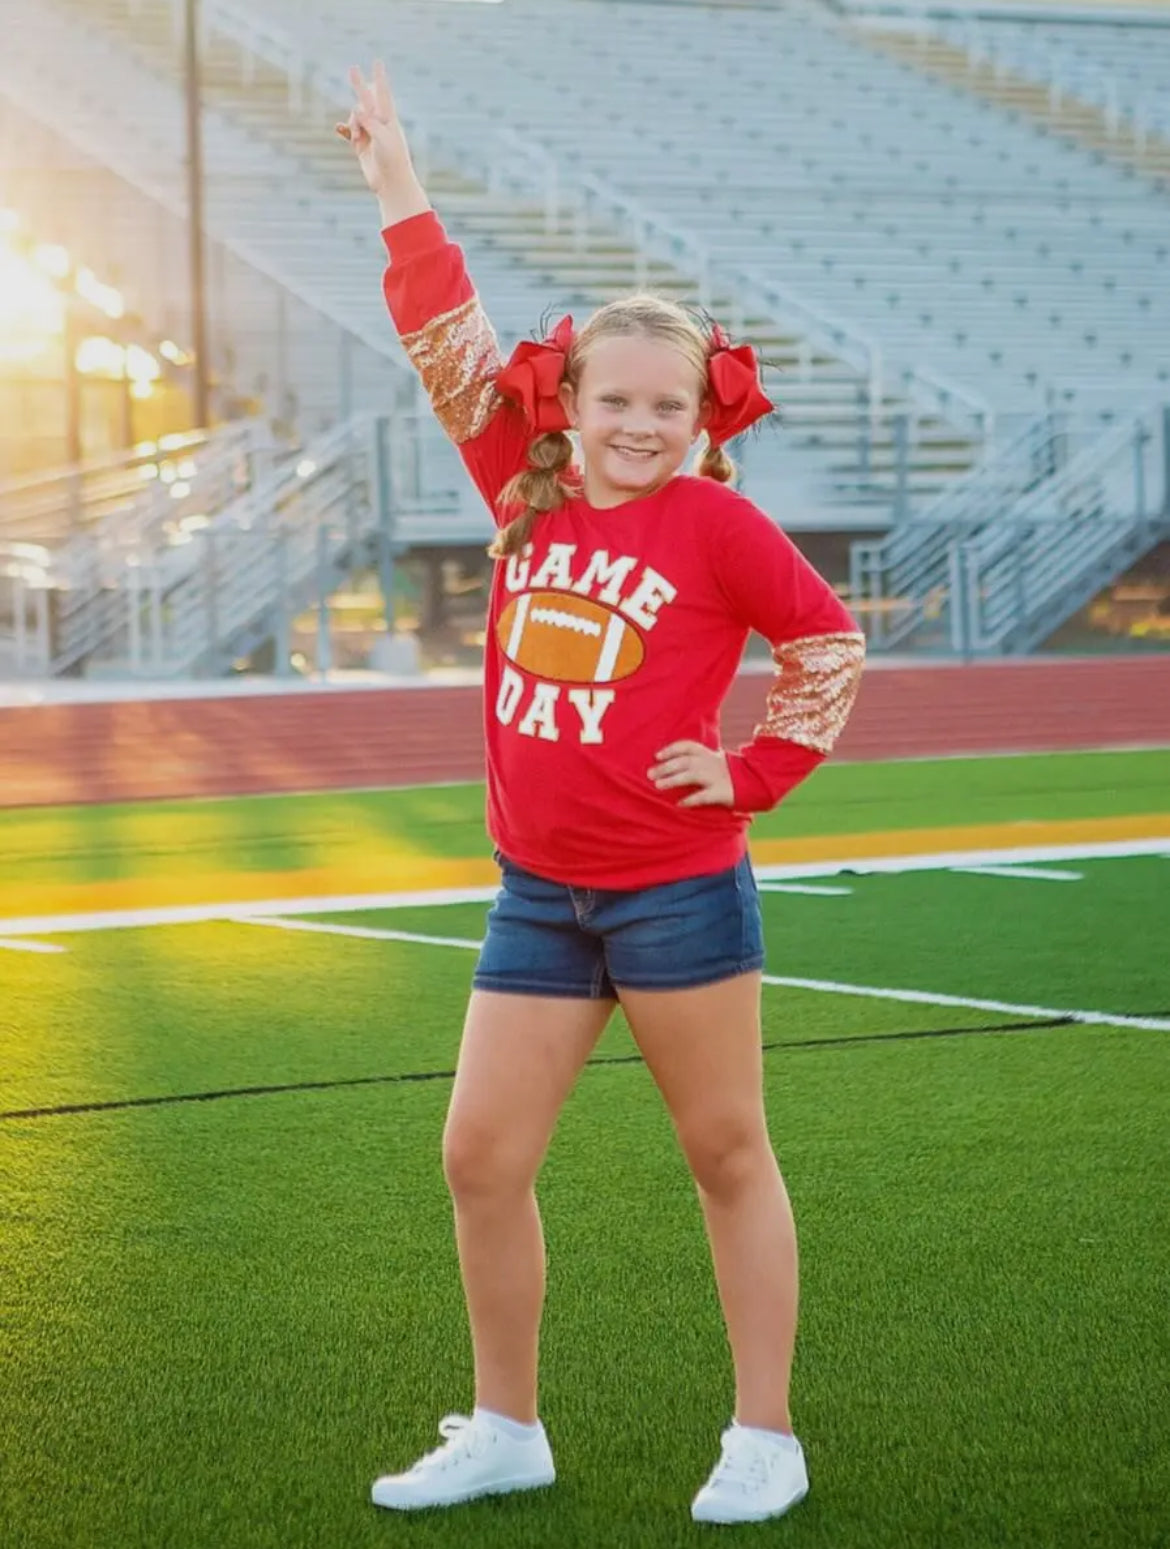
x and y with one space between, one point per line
1033 873
926 998
235 909
363 932
334 903
798 887
822 986
949 860
25 945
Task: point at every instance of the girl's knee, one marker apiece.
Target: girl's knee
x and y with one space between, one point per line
478 1162
728 1156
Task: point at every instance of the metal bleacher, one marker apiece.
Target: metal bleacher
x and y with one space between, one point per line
838 450
974 247
937 278
1124 71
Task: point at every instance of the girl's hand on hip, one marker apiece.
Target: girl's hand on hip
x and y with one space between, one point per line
690 763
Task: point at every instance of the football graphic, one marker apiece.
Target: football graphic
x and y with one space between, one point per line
569 639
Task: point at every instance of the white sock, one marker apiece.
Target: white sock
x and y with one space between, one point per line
516 1429
783 1438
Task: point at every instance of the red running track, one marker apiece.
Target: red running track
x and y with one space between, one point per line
336 739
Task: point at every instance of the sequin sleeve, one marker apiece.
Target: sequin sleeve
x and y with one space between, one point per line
450 341
814 688
817 651
457 358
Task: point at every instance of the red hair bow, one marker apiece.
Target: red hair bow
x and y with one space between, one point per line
737 399
533 376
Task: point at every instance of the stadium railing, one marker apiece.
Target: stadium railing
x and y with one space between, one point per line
162 600
998 562
1018 580
164 482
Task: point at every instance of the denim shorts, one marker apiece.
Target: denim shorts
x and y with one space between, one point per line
545 938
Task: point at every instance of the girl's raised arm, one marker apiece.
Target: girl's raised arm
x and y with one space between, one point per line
435 307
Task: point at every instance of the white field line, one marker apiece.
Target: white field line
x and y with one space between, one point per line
929 998
951 860
821 986
1025 873
198 914
202 914
362 932
804 887
26 945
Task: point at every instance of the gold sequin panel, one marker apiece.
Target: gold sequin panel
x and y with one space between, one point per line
457 356
816 683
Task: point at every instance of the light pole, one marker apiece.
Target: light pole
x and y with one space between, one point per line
195 210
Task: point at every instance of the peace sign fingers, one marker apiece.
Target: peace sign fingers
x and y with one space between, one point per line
363 91
383 97
374 97
374 131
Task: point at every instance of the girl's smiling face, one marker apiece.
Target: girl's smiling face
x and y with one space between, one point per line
637 406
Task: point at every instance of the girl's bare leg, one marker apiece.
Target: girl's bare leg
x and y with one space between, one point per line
518 1061
703 1048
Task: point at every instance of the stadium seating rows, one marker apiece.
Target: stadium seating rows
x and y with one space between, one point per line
994 253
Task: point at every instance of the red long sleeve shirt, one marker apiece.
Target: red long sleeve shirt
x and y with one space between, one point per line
619 631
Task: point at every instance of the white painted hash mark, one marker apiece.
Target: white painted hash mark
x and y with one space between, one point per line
209 914
929 998
820 986
1025 873
801 887
27 945
362 932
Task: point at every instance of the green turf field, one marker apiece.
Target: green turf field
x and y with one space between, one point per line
152 839
228 1291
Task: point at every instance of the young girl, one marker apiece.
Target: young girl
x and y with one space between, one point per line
622 599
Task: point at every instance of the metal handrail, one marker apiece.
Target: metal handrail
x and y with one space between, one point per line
1008 580
1085 464
911 558
913 564
113 462
165 602
117 496
276 540
948 395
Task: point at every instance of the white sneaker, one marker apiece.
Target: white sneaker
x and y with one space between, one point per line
476 1458
756 1478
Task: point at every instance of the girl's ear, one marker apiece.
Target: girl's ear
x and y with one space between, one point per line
568 396
704 418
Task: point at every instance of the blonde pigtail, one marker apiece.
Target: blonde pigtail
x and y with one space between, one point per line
542 487
715 464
